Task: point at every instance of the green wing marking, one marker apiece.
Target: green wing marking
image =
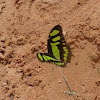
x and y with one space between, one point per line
58 51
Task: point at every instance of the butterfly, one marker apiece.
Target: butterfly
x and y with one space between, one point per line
58 50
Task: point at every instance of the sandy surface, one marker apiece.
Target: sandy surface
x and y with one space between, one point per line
24 29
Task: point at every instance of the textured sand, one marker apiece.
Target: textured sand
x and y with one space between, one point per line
24 29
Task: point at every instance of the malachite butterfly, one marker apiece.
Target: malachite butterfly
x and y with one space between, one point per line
58 51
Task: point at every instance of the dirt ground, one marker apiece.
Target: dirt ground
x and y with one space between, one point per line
24 29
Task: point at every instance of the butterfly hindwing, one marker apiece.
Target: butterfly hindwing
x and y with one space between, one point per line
49 58
57 48
46 57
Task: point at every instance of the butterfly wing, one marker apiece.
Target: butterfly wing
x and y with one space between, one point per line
58 50
57 45
49 58
46 57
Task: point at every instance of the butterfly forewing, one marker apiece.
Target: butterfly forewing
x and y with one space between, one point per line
57 45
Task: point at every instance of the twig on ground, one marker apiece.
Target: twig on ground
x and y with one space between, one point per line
11 96
70 90
98 70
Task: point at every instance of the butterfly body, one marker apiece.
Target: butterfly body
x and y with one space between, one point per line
57 48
